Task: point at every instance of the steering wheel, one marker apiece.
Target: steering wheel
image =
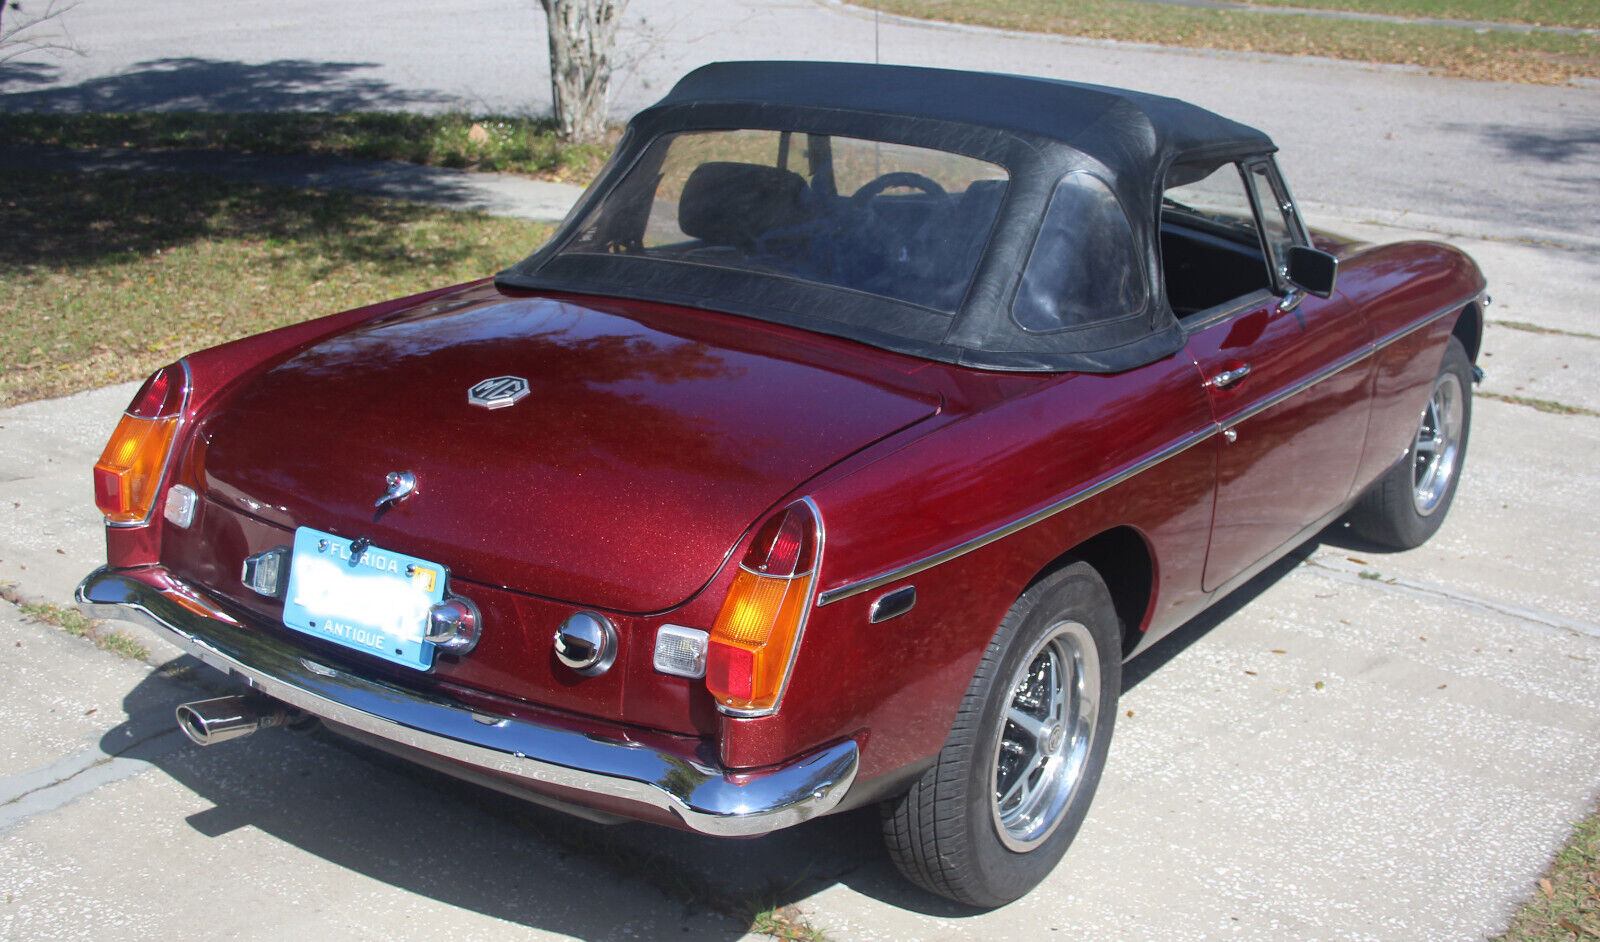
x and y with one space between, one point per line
896 178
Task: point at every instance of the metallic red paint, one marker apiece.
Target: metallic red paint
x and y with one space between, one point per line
650 441
855 426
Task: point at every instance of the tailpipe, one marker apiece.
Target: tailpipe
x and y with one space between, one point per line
208 722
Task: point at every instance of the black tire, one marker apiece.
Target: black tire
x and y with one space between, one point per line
952 834
1407 505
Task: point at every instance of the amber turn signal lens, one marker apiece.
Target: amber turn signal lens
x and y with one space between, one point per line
128 474
754 639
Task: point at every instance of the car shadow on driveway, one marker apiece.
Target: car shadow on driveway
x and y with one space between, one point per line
363 811
1335 534
366 813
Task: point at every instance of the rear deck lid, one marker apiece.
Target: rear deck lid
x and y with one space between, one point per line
628 449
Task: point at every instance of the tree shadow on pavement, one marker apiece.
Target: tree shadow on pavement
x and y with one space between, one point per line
194 84
1542 144
15 75
69 221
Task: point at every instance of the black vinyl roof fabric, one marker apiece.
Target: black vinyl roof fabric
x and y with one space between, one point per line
1111 124
1039 129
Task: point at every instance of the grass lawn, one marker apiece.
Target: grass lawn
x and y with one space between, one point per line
1581 13
109 277
516 145
1566 905
1500 56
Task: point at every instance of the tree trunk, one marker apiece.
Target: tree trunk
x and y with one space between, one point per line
582 33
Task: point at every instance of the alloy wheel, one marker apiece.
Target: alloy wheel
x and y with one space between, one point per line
1046 731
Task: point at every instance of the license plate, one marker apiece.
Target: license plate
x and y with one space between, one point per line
375 600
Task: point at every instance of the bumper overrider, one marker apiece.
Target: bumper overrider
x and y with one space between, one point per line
540 757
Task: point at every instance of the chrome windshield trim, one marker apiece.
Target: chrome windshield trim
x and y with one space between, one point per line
1020 523
532 755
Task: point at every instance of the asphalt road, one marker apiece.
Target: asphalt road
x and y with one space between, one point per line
1374 141
1401 770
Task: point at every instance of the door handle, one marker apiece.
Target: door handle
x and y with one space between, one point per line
1227 378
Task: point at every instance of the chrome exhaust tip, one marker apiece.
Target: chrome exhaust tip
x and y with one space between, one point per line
208 722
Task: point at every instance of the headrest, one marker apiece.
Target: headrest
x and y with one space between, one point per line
728 203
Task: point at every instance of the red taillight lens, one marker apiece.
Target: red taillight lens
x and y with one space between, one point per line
747 661
128 474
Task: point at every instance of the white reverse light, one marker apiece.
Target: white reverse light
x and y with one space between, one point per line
681 651
179 509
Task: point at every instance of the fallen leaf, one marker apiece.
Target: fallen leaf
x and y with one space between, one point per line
1567 925
1548 887
1251 673
91 710
1279 651
1442 686
1358 562
1319 685
477 134
1130 713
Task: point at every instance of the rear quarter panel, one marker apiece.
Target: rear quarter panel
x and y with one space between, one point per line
900 682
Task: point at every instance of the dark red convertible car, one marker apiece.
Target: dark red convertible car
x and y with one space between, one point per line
855 428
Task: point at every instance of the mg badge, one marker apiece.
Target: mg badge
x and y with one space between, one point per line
497 392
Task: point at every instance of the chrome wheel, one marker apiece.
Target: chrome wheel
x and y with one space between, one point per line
1045 735
1437 446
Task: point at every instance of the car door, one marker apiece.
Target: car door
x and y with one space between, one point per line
1286 377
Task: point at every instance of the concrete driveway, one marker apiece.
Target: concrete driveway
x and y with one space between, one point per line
1355 745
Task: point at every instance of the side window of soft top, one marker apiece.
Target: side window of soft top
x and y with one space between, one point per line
1085 267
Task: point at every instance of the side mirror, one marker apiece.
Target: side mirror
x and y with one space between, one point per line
1312 270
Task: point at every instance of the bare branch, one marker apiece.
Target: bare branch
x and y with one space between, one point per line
22 32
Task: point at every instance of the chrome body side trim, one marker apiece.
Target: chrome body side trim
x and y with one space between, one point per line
1339 365
1183 444
528 754
1289 392
1023 522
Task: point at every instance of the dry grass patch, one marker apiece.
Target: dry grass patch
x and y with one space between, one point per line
1540 58
108 277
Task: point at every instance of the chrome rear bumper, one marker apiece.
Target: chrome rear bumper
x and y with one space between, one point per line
706 798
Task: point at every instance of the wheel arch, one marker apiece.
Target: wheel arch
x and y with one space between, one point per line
1125 562
1469 329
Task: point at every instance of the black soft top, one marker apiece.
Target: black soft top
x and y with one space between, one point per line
1039 129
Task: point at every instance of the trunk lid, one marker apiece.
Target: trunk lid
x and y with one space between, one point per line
649 440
